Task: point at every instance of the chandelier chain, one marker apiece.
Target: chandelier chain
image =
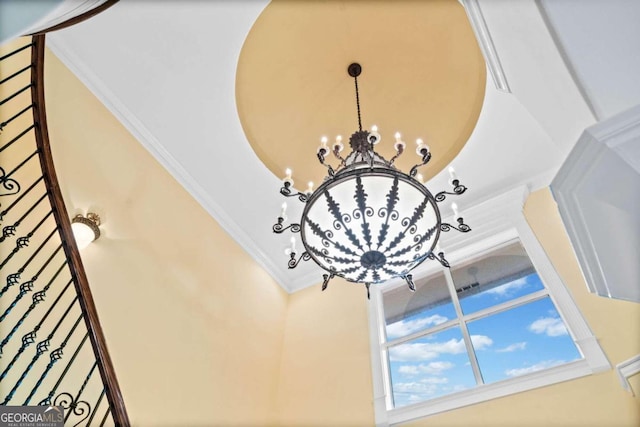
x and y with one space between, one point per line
355 78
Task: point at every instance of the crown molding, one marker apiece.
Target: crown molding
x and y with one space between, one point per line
483 36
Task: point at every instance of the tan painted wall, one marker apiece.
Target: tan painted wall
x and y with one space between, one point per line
193 324
326 368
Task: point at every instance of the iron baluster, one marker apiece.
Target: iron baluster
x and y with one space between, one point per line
42 347
23 242
54 356
15 116
47 400
20 135
95 408
14 278
37 298
26 287
10 230
15 202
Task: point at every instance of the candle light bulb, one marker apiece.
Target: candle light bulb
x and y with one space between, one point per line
324 140
287 179
338 139
293 244
283 211
420 178
420 147
310 187
454 207
374 128
452 174
398 136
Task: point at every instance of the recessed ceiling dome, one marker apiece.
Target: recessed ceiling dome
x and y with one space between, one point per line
425 76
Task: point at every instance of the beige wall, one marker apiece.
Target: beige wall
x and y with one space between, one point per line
194 325
326 369
200 334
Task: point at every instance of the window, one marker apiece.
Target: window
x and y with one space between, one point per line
494 324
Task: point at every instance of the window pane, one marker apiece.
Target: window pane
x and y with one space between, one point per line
428 367
504 275
407 312
525 339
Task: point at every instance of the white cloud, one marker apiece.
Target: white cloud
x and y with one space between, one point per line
432 368
480 342
417 352
552 326
403 328
512 347
533 368
508 288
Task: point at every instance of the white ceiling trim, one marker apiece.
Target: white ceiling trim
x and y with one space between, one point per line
479 25
169 162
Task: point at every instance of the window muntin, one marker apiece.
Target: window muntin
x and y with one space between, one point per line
502 275
431 366
532 337
407 313
499 303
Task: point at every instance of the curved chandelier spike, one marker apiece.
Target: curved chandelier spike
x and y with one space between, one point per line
368 221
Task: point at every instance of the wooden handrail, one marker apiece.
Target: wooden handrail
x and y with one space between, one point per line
77 19
90 314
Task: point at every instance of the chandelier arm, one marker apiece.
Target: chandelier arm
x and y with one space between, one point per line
399 151
293 262
440 258
426 156
321 157
286 191
278 228
458 189
343 162
462 227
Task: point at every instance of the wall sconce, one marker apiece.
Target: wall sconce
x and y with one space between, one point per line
85 229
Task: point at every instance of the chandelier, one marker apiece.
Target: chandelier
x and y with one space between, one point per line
368 221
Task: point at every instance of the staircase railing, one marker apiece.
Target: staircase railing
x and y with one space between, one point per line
52 347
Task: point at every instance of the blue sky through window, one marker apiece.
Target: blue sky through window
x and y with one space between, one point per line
517 341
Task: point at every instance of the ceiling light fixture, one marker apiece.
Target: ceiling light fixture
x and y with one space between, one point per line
368 221
85 229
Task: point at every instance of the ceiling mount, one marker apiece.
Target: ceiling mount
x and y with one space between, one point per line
354 69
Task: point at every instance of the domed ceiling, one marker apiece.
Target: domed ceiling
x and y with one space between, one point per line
423 76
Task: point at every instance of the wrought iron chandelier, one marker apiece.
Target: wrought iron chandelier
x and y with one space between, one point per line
368 221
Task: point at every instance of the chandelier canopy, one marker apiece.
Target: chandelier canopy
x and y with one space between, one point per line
368 221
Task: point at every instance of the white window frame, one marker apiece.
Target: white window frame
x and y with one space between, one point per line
494 223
